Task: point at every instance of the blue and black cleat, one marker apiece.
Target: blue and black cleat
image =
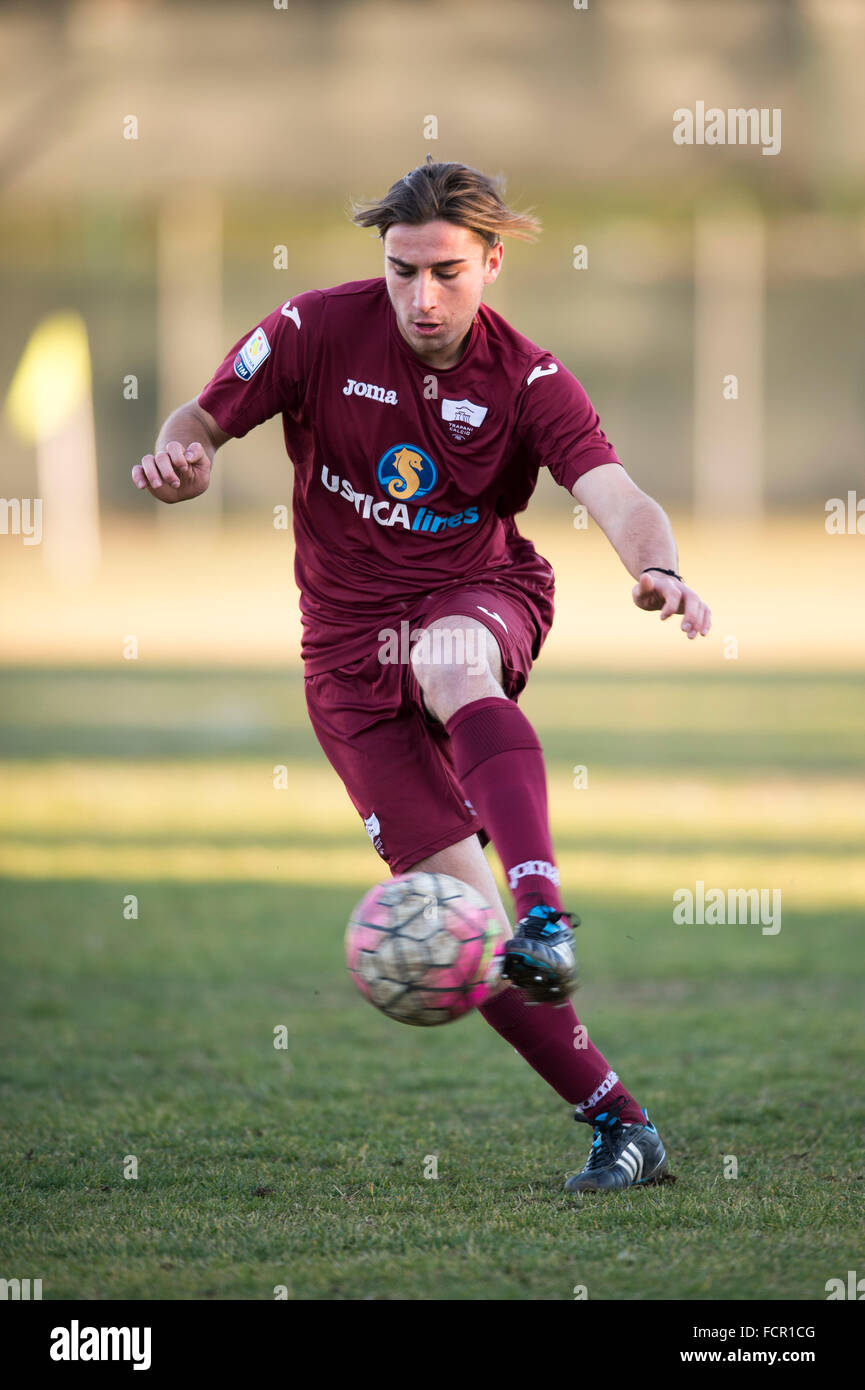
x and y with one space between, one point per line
540 958
621 1156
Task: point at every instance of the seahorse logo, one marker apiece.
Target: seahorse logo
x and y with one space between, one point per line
406 471
409 465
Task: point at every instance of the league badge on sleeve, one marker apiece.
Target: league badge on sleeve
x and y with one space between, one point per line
463 417
252 354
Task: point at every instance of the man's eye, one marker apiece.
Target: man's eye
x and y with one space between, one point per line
406 274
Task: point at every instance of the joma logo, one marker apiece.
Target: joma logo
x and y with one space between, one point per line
365 388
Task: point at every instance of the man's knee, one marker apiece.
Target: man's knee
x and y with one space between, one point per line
456 660
456 647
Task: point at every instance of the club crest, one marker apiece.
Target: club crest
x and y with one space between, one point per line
463 418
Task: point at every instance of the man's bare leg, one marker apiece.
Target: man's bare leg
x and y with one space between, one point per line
467 862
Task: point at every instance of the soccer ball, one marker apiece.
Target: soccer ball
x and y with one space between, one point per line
425 948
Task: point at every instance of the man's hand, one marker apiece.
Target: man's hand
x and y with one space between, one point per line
174 473
653 591
639 530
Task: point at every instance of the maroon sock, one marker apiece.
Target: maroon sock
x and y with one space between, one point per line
554 1042
500 765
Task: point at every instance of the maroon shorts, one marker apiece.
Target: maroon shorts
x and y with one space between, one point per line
392 756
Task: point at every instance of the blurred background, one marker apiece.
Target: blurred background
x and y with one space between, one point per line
169 174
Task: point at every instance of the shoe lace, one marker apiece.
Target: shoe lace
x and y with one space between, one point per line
546 921
601 1154
608 1128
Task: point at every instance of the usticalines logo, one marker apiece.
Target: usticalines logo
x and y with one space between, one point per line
385 512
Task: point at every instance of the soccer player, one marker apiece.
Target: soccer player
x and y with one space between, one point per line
417 420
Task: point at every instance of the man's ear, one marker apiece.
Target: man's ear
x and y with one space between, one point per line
493 263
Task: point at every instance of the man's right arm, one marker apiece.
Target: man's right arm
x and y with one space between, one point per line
179 467
263 374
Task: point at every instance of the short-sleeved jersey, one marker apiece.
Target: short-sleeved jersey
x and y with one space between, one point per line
406 478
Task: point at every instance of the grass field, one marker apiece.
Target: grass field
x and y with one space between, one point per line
152 1037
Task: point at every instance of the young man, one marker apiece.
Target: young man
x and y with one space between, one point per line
417 420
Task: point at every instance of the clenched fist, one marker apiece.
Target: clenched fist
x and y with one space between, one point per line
175 473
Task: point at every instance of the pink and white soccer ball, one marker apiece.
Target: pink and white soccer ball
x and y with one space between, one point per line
425 948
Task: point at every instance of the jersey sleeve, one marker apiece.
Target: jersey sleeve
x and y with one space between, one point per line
267 370
558 425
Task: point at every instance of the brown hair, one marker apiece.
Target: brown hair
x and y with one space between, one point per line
450 192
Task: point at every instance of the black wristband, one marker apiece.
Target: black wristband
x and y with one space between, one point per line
657 569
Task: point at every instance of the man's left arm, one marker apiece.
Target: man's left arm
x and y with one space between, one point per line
640 533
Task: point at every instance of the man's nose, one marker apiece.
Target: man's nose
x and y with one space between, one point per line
424 292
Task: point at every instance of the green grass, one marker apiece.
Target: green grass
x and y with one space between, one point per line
304 1166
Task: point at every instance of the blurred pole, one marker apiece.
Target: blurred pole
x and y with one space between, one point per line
66 468
729 303
189 331
50 405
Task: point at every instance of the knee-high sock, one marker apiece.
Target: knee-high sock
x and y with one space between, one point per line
500 765
554 1042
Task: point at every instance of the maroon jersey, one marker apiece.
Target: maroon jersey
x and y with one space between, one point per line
406 477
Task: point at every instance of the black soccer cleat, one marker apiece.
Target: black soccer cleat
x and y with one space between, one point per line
621 1155
540 958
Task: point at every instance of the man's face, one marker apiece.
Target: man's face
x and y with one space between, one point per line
435 276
